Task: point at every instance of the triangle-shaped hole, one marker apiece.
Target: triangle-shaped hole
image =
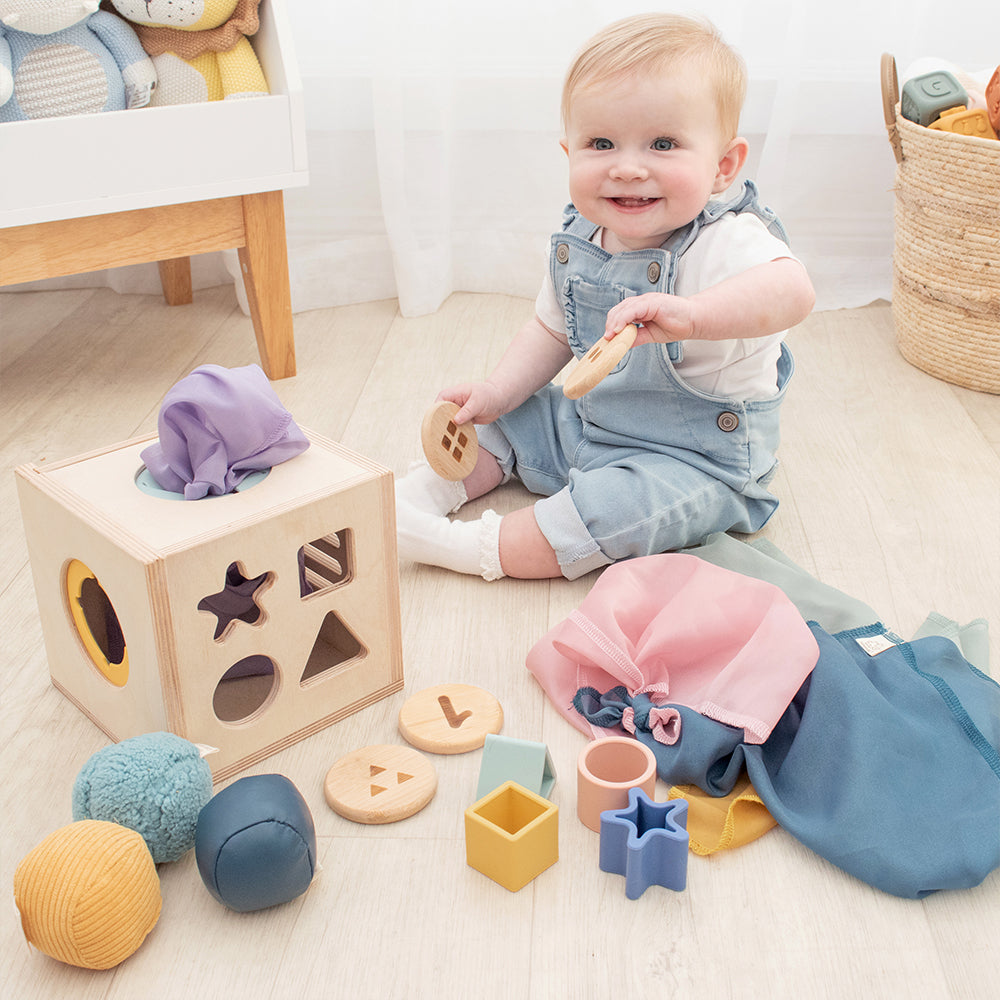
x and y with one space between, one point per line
334 648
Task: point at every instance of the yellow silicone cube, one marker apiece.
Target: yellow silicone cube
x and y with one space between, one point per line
512 835
965 121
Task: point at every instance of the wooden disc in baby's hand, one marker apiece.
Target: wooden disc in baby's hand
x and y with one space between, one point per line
598 362
451 450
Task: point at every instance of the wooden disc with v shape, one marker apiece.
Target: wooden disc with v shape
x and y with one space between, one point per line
450 718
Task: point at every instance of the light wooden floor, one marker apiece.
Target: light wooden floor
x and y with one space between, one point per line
890 489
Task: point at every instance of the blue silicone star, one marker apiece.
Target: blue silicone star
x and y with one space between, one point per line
647 843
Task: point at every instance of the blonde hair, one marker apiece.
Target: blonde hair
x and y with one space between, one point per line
656 42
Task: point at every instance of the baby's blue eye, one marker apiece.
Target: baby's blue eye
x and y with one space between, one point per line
602 144
663 145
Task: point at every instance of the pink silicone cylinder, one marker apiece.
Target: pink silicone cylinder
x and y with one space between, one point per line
605 770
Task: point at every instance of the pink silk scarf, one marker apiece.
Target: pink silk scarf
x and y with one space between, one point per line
682 632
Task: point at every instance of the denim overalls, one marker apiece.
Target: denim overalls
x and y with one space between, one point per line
643 463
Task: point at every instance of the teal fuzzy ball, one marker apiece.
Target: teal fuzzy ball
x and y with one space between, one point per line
155 784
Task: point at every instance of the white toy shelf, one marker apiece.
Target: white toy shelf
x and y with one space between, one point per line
87 192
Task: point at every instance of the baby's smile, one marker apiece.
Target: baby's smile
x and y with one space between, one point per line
633 202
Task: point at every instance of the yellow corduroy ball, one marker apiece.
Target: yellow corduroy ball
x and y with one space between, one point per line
88 894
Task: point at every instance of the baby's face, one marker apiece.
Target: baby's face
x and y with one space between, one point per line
644 155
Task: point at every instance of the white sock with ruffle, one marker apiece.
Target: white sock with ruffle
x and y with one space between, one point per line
425 490
471 547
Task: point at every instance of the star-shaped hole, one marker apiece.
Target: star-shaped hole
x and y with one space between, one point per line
237 601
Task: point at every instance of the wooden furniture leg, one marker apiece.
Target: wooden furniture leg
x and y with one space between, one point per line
175 277
264 263
169 234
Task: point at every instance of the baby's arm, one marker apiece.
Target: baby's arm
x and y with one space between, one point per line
762 300
531 361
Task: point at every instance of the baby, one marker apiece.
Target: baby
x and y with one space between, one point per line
679 440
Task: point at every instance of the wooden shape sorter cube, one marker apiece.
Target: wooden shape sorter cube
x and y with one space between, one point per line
243 622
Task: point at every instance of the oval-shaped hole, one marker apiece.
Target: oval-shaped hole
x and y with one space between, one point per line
96 622
245 688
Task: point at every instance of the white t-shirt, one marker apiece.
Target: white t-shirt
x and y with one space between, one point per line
738 369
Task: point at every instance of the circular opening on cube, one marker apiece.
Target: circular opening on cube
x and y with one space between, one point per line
147 484
97 623
245 689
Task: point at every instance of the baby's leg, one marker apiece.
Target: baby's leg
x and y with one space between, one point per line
485 477
425 490
525 552
424 532
490 547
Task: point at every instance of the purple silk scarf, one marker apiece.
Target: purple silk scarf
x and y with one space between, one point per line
218 425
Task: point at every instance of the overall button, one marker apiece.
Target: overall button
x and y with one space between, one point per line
653 273
728 422
562 253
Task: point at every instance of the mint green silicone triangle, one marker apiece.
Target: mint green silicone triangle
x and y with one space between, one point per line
524 761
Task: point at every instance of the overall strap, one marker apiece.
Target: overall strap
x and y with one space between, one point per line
574 224
746 200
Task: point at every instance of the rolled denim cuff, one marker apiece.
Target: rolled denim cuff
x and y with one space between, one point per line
495 442
563 528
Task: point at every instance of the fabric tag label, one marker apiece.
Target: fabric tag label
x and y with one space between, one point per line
875 644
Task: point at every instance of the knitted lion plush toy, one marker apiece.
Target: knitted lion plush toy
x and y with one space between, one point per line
199 48
66 57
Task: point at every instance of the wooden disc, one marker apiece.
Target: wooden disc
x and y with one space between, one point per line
380 784
451 450
450 718
598 363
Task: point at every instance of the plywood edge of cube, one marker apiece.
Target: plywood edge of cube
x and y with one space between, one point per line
36 479
63 463
58 534
223 772
330 445
115 735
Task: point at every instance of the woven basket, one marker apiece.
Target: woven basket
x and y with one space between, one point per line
946 264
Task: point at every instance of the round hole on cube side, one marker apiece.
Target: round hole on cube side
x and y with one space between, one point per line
245 688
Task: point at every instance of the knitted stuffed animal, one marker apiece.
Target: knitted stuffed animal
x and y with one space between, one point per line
66 57
199 47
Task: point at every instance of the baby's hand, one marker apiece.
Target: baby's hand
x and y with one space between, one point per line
477 401
661 318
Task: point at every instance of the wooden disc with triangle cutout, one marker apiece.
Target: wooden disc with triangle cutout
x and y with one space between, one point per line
380 784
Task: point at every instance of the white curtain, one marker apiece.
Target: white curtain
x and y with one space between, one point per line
433 131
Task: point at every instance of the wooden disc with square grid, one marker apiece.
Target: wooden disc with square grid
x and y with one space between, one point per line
451 450
380 784
598 363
